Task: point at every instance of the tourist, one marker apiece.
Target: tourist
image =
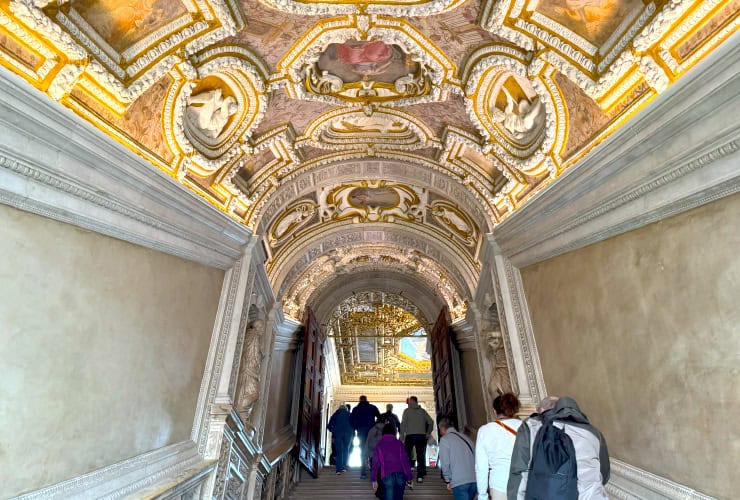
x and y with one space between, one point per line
457 459
373 438
392 463
390 416
592 456
494 446
416 428
364 416
342 432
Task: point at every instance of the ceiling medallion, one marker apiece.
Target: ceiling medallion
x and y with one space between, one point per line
371 201
210 110
367 71
364 60
521 116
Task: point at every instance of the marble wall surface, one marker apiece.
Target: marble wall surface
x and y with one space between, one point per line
103 346
643 329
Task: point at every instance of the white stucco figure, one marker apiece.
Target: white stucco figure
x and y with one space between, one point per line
518 118
451 218
210 111
292 220
249 370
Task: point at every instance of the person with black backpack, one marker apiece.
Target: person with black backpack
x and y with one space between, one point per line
567 459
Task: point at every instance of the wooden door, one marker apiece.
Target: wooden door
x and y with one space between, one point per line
444 385
312 390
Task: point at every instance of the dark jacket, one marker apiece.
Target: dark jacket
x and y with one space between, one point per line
392 418
364 415
339 423
389 457
592 455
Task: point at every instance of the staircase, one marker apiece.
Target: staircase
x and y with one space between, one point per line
349 486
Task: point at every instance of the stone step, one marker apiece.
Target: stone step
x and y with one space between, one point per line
350 486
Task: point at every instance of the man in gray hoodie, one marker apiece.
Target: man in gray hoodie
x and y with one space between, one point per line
457 459
416 427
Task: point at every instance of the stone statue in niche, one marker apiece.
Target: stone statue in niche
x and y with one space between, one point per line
499 380
210 111
249 370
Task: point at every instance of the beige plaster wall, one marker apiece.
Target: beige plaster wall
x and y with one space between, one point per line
103 346
643 330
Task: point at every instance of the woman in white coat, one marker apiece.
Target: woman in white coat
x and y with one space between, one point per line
493 448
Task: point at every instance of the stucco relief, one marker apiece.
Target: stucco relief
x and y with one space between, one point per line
295 217
253 354
458 223
372 201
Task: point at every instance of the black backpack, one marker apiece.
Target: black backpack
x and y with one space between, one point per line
553 471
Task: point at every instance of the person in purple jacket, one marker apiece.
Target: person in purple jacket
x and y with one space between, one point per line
391 460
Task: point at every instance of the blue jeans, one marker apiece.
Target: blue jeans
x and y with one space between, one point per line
465 491
341 451
394 484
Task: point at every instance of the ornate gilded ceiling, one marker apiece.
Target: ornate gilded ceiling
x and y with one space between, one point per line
380 339
361 138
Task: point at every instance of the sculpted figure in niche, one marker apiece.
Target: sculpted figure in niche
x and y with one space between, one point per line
249 370
499 381
518 117
210 111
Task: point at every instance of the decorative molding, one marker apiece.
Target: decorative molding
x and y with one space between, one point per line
516 328
123 478
678 153
628 482
55 164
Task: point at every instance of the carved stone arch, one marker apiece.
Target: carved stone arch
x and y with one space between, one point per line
291 262
310 179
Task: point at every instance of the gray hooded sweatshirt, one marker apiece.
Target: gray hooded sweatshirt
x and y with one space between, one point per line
592 456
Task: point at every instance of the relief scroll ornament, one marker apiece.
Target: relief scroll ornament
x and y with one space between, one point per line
371 201
249 371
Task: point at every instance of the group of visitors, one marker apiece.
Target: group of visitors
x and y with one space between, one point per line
390 460
555 454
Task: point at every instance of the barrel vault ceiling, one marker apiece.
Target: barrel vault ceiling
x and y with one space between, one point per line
371 144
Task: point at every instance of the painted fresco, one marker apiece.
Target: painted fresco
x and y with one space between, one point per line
594 20
121 23
356 61
374 197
